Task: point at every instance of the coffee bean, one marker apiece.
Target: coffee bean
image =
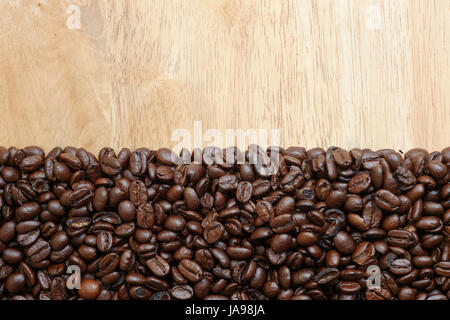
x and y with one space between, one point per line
244 191
264 210
401 238
31 163
327 275
127 210
144 225
191 198
239 253
344 243
280 242
108 263
400 266
158 266
38 251
359 183
138 193
89 289
260 187
349 287
15 283
104 241
363 253
213 232
443 268
228 182
182 292
386 200
165 156
190 270
7 231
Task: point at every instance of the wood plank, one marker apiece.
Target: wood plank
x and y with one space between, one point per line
368 73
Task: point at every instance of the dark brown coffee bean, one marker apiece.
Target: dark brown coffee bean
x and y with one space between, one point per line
400 267
213 232
182 292
138 193
401 238
443 268
165 156
363 253
31 163
359 183
191 199
386 200
38 251
280 242
349 287
108 263
158 266
260 187
12 255
15 283
59 240
264 210
110 165
244 191
89 290
239 253
327 275
344 243
104 241
7 231
190 270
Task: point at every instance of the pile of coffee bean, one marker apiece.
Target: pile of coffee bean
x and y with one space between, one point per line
149 224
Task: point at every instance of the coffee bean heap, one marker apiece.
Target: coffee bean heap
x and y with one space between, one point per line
139 226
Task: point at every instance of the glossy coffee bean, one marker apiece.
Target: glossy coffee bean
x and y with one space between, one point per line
89 289
148 224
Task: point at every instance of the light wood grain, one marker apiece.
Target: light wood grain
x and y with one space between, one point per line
366 73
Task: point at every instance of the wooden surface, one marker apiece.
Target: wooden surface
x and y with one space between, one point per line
327 72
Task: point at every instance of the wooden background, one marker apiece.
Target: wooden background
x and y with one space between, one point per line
350 73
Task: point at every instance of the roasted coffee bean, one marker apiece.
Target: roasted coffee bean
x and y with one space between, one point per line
38 251
344 243
158 266
400 266
89 289
401 238
7 231
148 224
213 232
104 241
110 165
327 275
386 200
126 210
244 191
363 253
359 183
280 242
12 255
264 210
15 283
138 193
443 268
190 270
182 292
